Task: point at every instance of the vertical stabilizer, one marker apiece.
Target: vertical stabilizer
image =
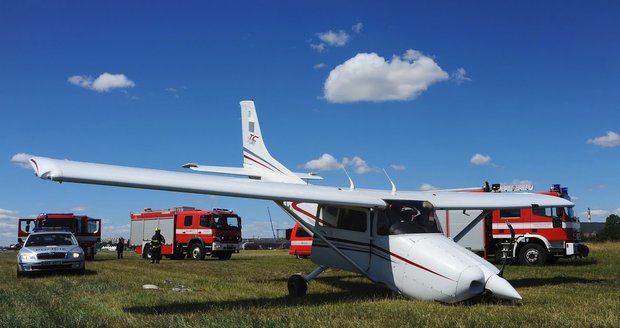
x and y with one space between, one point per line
256 158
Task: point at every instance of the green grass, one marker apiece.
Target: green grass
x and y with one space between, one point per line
250 291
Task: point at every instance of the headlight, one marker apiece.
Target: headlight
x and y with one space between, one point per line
27 257
75 255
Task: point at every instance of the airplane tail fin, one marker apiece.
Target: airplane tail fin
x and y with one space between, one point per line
256 157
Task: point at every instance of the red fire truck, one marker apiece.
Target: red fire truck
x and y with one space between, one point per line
189 232
541 235
87 230
301 241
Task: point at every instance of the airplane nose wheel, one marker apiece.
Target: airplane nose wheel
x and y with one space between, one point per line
297 286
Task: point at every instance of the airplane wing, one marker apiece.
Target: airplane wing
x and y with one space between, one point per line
112 175
103 174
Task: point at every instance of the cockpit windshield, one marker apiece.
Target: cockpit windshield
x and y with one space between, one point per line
403 217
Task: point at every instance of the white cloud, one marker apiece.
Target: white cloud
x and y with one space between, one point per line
21 160
427 187
611 139
597 213
357 28
334 39
7 214
320 47
616 211
79 209
325 163
460 76
479 159
369 77
360 166
398 167
105 82
328 162
319 65
112 231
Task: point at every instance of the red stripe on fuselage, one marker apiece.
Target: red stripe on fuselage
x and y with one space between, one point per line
257 162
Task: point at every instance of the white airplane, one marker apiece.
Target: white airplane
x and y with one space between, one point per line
391 237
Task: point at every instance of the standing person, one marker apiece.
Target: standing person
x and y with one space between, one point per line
157 241
120 246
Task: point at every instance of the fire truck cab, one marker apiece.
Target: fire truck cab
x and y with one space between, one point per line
541 235
189 232
86 230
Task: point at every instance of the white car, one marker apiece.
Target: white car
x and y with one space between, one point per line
50 251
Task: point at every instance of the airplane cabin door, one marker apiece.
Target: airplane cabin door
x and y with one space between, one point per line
348 229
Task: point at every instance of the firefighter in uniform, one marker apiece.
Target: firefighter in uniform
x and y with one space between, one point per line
120 247
157 241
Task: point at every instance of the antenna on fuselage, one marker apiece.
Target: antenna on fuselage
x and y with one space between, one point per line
351 184
391 182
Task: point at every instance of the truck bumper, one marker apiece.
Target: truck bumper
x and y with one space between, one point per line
577 249
226 247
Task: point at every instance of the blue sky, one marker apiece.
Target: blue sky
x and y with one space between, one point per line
439 94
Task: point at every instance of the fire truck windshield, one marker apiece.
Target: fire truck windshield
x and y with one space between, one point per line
226 222
61 223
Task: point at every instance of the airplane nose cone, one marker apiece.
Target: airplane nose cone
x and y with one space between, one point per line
502 288
471 283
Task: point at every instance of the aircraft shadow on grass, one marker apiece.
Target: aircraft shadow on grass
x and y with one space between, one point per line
352 291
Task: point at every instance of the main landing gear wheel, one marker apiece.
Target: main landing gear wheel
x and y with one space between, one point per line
297 286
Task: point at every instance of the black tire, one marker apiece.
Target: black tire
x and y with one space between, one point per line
297 286
196 252
225 256
20 274
533 254
146 252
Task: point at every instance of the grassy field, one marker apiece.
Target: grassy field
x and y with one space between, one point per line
250 291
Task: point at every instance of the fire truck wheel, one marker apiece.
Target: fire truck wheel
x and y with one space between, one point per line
147 254
297 286
533 254
196 252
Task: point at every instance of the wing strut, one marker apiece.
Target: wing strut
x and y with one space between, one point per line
332 246
470 226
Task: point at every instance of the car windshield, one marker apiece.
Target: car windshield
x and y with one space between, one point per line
50 239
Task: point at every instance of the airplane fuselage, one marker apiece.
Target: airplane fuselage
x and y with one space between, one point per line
421 265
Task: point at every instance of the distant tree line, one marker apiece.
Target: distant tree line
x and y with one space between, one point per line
611 230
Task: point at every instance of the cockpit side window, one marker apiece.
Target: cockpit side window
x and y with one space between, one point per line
344 218
403 217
